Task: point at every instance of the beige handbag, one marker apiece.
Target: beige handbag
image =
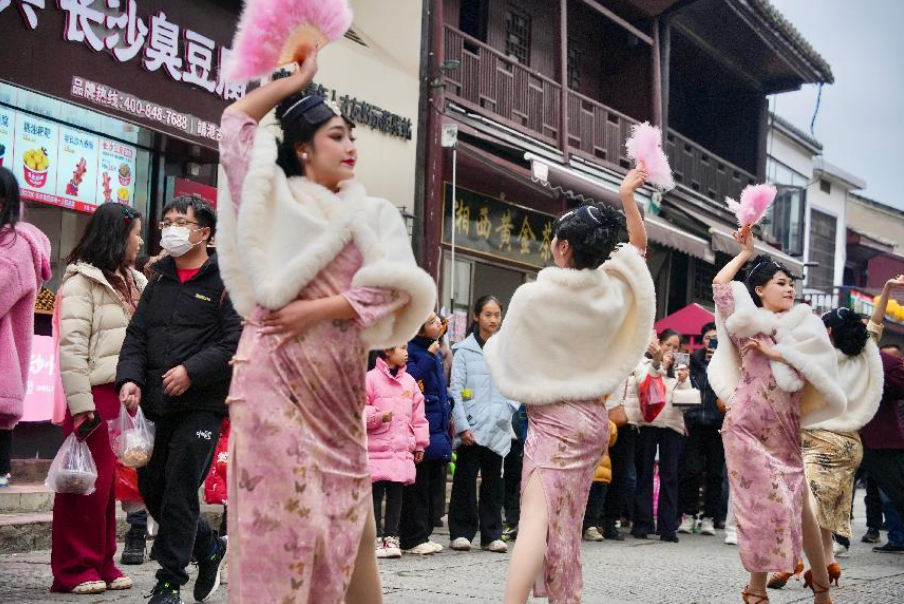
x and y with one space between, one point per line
686 398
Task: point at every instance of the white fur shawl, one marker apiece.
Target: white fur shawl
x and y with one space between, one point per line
289 229
862 378
574 334
802 340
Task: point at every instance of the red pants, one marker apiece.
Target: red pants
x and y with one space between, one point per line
84 526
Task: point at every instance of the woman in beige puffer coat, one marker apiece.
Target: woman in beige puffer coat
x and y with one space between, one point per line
99 295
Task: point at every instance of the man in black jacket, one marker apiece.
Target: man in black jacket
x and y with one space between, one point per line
704 456
175 363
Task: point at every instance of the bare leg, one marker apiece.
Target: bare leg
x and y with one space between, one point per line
756 586
365 587
813 547
530 548
827 545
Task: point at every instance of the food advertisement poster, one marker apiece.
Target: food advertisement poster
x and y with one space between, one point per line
77 168
116 173
63 166
7 125
35 161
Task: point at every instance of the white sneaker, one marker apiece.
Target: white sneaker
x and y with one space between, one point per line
731 538
381 548
391 547
4 480
593 534
707 527
437 548
687 524
498 546
840 550
461 545
421 550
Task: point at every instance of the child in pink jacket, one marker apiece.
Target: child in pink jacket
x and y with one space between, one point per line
397 434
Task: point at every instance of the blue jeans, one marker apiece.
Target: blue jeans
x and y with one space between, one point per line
892 522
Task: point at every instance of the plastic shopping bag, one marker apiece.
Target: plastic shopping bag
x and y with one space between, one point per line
126 484
132 438
73 470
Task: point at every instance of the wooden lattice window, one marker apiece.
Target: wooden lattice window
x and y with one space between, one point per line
517 36
823 229
572 61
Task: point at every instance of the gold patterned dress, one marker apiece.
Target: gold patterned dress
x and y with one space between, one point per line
831 460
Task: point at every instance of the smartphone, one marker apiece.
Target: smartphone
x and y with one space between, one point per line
86 427
682 359
714 343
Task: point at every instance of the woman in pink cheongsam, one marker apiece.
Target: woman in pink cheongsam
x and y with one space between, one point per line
776 367
322 273
568 340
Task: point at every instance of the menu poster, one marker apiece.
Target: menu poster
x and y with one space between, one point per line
7 125
35 158
77 168
116 173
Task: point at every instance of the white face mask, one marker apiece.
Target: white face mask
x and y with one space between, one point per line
175 241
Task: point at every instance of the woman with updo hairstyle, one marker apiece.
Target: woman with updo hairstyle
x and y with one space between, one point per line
322 273
832 448
777 371
567 342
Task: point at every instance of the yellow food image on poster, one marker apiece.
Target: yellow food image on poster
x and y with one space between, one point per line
123 194
36 159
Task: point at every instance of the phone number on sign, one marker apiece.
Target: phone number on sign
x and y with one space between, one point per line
151 111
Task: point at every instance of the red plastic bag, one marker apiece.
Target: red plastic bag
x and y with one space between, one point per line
215 483
652 398
126 484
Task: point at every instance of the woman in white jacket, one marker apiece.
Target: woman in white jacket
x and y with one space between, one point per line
100 292
568 340
664 431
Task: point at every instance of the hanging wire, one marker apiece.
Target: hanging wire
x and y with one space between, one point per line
816 110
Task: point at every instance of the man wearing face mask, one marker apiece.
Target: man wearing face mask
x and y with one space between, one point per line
175 364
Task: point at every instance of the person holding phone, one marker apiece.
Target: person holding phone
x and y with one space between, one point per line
704 456
97 299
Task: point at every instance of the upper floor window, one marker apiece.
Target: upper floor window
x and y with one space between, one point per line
517 36
572 61
822 250
825 186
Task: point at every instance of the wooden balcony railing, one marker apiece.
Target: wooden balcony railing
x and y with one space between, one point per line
708 174
487 80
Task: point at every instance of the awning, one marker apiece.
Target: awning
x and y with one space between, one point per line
584 189
723 241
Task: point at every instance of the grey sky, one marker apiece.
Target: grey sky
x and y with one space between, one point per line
861 116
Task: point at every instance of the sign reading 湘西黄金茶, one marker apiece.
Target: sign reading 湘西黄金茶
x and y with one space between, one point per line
497 228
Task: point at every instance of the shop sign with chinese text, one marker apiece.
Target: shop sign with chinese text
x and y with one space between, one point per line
163 52
497 228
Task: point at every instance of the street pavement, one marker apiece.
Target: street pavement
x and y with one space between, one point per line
699 570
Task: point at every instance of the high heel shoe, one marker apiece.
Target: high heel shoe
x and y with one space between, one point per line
760 599
816 587
834 573
779 580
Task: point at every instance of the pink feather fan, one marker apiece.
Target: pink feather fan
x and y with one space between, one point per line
278 32
645 145
755 202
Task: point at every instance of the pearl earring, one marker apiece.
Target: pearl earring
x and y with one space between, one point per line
304 156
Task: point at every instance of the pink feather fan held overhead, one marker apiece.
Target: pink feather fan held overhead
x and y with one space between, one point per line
272 33
645 146
755 202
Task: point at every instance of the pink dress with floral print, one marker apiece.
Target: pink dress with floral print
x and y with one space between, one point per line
565 442
761 434
299 485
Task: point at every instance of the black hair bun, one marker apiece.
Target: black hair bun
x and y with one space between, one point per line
849 334
593 232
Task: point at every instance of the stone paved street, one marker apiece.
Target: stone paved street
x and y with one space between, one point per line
699 570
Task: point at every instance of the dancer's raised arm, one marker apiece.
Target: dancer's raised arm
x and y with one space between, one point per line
745 239
637 234
259 102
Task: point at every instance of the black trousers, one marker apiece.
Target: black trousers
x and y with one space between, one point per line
669 443
701 466
417 504
438 495
388 526
183 450
622 457
6 452
593 514
873 502
465 516
512 477
887 467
